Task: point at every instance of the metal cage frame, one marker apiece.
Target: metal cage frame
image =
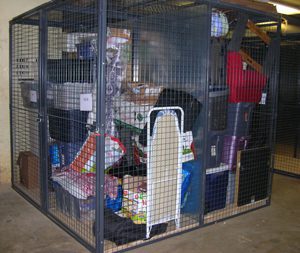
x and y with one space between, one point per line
102 16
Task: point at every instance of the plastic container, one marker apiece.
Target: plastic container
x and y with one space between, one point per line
231 145
214 149
30 93
231 188
239 118
86 50
193 200
244 85
218 100
67 96
216 188
70 70
67 125
81 209
69 151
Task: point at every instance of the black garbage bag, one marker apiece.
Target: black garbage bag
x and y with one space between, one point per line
169 97
123 230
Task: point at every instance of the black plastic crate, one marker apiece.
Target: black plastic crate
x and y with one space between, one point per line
70 70
218 100
68 125
70 205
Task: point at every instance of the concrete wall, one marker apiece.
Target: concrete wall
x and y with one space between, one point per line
9 9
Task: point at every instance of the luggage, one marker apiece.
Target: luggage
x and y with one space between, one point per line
231 145
67 126
254 175
244 85
239 118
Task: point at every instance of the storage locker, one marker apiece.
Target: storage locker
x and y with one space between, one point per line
130 109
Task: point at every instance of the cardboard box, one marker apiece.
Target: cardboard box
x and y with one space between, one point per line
141 93
29 169
135 198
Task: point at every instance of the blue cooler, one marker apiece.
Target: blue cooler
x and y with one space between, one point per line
216 188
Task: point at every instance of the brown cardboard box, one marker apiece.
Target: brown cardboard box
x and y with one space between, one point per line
29 169
141 93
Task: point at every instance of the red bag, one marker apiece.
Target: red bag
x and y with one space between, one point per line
244 85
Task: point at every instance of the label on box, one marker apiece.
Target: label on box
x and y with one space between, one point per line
33 96
86 102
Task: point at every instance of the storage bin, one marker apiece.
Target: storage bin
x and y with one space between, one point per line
244 85
67 126
239 118
30 93
231 145
218 100
193 199
81 209
214 149
66 96
70 70
86 50
216 188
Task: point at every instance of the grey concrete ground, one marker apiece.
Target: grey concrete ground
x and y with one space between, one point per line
269 230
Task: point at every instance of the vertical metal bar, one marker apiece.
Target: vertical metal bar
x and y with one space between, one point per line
100 125
274 88
205 113
10 103
43 110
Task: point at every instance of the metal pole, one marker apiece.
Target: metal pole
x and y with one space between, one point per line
10 103
42 107
100 125
205 83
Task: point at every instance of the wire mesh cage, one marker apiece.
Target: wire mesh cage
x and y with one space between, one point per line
287 137
136 120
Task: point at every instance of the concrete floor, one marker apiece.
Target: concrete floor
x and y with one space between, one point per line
270 230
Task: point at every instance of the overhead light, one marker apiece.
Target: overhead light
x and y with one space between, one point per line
284 9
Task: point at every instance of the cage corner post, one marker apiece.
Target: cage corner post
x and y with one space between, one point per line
10 102
42 108
100 124
205 90
275 91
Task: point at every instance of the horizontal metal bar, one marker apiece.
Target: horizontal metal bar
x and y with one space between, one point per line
285 173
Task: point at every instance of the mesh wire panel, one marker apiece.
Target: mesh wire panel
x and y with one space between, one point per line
188 96
287 139
71 107
240 135
154 108
24 108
